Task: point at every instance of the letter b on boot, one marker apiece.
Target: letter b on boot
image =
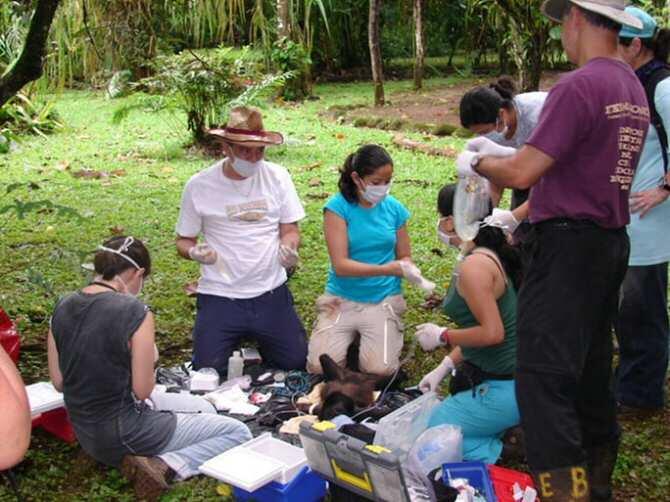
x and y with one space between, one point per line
564 485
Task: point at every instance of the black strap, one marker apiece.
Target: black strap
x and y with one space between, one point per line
104 285
650 89
495 260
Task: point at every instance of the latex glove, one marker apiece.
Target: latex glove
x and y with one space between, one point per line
288 257
484 146
502 218
203 253
412 273
429 336
431 381
464 163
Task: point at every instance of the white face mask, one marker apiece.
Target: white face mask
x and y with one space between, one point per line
128 292
374 194
245 168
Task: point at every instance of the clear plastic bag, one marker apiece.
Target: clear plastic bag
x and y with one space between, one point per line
436 446
471 205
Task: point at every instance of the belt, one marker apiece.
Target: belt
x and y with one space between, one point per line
569 224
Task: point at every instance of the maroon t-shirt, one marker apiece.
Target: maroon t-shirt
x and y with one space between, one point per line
593 125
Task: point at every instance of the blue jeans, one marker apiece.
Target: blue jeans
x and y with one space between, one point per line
200 434
642 331
483 419
270 319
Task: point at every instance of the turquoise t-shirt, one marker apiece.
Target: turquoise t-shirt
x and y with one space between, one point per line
372 239
649 236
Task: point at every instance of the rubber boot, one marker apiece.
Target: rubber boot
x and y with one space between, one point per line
601 460
568 484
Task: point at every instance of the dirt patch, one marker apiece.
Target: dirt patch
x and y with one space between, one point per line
433 107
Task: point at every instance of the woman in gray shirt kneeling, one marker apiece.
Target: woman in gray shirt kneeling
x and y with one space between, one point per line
101 349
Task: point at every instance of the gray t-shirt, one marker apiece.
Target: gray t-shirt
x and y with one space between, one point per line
92 334
528 107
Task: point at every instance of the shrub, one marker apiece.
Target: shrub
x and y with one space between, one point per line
289 56
205 84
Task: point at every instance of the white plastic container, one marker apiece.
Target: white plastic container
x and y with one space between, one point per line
204 380
399 430
235 365
256 463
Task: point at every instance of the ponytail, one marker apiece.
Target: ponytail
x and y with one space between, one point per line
482 104
365 161
495 239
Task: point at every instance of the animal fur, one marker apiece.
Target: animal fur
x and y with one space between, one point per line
346 391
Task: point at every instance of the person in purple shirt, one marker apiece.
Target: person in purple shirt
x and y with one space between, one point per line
580 161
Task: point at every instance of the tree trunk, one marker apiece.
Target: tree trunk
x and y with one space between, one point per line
419 53
375 51
283 28
29 65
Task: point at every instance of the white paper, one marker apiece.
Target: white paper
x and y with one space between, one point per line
43 397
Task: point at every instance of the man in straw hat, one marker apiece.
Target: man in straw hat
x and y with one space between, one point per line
580 161
246 210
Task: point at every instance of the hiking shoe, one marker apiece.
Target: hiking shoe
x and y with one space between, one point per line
150 476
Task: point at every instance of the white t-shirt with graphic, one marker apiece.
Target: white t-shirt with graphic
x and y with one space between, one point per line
240 220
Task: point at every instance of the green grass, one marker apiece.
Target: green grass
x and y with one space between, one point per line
42 253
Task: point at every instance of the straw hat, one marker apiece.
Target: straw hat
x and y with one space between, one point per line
245 127
611 9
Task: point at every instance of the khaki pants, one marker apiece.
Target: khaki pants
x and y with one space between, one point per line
339 321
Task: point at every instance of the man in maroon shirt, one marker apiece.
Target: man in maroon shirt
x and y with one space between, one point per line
580 161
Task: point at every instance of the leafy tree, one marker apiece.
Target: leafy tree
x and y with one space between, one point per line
29 65
528 37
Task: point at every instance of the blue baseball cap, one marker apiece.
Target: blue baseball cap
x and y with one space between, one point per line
648 29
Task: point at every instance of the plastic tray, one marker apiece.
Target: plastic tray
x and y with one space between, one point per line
292 457
503 480
399 430
256 463
243 468
475 472
306 486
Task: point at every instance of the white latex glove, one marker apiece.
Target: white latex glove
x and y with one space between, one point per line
502 218
431 381
288 257
412 273
484 146
464 163
429 336
203 253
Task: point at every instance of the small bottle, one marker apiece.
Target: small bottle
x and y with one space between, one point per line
235 365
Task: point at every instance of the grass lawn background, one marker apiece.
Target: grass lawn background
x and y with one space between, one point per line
41 254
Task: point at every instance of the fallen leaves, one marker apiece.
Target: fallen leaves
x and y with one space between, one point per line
310 167
94 174
409 144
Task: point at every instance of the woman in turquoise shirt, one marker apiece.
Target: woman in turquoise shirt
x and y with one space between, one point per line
481 300
369 248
